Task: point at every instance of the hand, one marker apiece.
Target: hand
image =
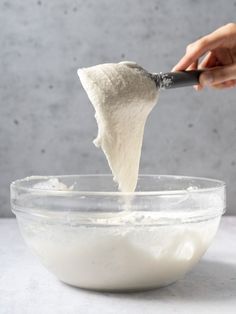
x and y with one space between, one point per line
220 58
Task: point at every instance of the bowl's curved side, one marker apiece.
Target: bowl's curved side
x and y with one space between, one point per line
118 258
158 200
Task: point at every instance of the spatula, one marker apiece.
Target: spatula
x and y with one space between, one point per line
176 79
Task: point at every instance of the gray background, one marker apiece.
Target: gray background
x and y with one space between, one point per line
46 121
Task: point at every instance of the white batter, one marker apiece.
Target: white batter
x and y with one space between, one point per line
118 258
123 95
119 251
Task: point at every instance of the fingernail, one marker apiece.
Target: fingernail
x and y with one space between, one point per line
206 78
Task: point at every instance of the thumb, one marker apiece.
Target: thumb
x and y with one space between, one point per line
218 75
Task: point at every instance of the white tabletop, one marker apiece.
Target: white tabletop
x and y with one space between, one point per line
27 288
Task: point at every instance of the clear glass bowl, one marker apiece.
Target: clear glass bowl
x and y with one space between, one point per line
91 236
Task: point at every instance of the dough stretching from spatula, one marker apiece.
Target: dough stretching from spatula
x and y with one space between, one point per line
123 94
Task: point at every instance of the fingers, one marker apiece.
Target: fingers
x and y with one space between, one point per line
223 56
218 75
195 50
193 66
232 83
209 61
223 36
227 84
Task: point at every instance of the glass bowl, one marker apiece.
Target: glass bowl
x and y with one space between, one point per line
91 236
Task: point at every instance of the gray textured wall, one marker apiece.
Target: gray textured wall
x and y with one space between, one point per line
46 122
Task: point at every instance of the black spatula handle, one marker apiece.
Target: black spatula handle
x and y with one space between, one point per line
179 79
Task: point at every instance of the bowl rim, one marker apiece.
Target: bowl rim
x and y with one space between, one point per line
17 184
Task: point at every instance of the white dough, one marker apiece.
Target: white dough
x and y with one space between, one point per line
118 258
51 184
123 94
